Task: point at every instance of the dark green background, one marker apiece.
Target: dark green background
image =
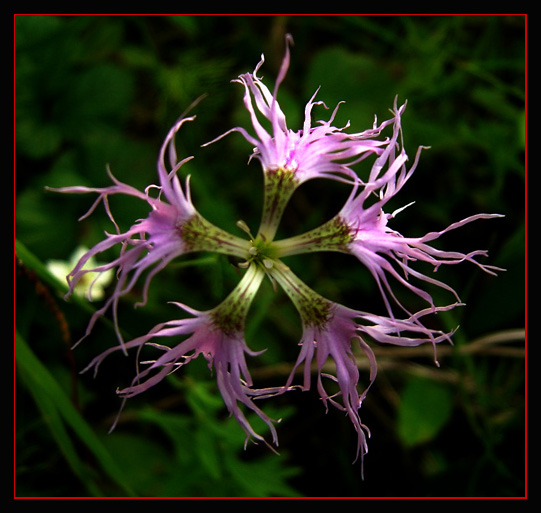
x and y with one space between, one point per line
98 90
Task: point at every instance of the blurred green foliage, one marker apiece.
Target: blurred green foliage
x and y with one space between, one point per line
93 90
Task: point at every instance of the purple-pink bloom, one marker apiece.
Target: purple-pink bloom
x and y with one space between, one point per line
172 228
290 158
323 151
218 335
333 340
331 332
362 229
385 251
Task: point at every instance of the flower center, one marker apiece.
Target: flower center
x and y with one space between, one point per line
261 252
289 164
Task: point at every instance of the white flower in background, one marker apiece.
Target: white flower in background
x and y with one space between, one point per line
92 285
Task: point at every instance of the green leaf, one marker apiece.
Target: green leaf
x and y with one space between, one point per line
425 407
59 413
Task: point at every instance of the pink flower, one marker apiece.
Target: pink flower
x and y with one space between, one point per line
218 335
383 250
290 158
362 229
172 228
334 339
332 331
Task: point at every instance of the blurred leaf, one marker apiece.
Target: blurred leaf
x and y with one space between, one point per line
425 408
59 413
33 263
146 462
503 297
366 92
98 93
53 419
209 450
266 477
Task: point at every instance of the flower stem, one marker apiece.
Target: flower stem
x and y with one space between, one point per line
201 235
334 235
230 315
313 308
279 186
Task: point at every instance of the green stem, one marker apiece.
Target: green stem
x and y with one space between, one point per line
331 236
278 188
230 315
313 308
201 235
